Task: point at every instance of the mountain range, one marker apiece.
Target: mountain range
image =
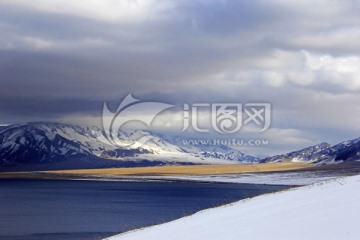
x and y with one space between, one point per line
55 145
39 146
322 153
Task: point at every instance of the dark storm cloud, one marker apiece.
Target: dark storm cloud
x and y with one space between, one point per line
227 17
43 108
58 61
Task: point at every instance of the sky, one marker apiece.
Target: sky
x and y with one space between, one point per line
61 60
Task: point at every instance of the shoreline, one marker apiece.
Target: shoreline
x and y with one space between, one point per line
176 170
276 175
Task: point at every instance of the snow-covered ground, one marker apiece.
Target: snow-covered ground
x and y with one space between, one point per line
278 178
326 210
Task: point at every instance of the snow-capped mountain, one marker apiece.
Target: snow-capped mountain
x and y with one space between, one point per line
69 146
302 155
48 143
40 143
322 153
342 152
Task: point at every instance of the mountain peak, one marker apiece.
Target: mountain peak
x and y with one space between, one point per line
324 145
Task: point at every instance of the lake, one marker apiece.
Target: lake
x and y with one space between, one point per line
61 209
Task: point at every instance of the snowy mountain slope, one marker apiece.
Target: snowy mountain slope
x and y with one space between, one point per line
40 143
322 153
54 142
302 155
342 152
34 143
323 211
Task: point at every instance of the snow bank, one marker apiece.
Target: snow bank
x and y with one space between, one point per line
327 210
278 178
285 178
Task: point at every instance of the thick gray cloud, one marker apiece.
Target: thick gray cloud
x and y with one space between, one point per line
59 61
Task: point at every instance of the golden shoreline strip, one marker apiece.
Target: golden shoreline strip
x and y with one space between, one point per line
189 169
161 170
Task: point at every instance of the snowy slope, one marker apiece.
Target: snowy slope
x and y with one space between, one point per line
277 178
327 210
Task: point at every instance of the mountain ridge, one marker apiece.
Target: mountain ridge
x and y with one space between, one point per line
49 144
46 143
322 153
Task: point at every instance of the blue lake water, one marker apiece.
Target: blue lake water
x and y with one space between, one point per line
60 209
